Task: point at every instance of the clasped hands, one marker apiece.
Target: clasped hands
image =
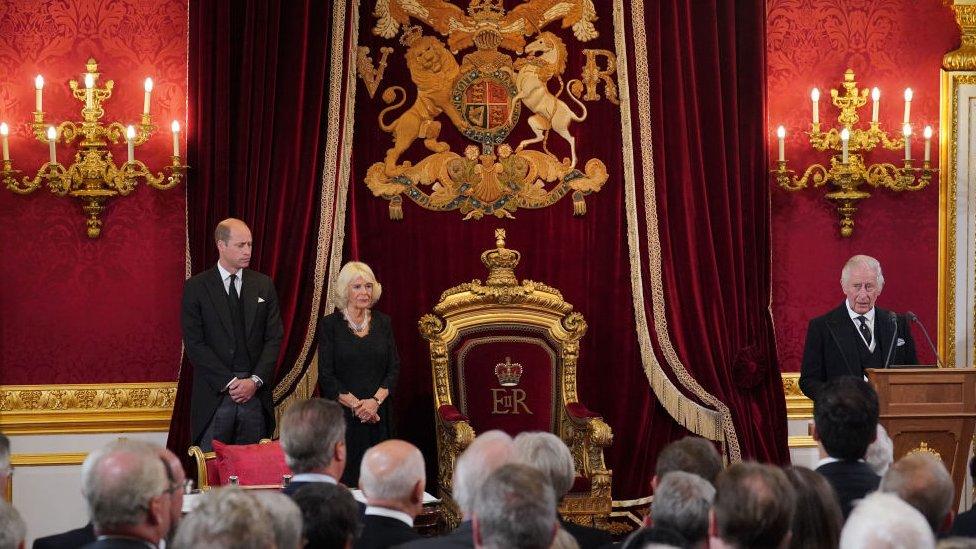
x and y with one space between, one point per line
242 390
365 409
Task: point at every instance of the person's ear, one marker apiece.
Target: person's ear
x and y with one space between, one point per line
417 497
475 527
340 451
654 482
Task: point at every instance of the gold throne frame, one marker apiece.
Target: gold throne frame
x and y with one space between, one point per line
502 300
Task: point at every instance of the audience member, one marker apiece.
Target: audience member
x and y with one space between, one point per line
922 481
682 502
330 516
965 523
754 505
130 494
70 539
691 454
12 527
489 451
550 455
817 519
564 540
313 434
653 537
392 478
845 417
515 509
286 519
226 518
881 452
884 521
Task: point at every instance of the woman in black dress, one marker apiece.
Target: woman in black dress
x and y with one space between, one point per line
358 363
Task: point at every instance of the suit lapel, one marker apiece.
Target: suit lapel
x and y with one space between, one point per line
249 298
882 332
843 327
215 287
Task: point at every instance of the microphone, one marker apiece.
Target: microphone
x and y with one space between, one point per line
911 317
894 334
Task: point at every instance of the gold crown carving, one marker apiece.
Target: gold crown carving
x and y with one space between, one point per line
486 9
410 35
508 373
501 262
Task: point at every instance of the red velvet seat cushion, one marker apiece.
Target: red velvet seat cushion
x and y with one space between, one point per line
252 463
213 476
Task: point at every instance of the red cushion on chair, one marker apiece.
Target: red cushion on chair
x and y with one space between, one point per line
213 475
254 464
577 410
450 413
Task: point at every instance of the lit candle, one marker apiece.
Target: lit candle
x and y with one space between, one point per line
845 136
4 131
907 131
89 92
38 86
130 137
781 134
176 138
815 97
52 136
876 97
148 87
928 143
908 104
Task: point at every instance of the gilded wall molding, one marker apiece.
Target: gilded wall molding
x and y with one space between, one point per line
964 58
86 408
798 406
47 460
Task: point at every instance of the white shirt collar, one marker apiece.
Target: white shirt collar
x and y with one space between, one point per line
854 314
224 273
828 460
390 513
313 477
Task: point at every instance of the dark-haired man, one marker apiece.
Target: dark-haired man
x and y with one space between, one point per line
754 506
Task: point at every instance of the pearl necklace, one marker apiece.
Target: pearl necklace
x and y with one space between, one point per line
360 327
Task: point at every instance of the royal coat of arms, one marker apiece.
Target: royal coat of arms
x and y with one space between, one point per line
485 97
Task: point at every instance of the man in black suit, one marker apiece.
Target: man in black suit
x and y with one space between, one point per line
965 523
856 335
845 420
67 540
313 437
232 332
392 478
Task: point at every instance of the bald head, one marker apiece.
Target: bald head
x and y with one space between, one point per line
488 452
392 475
922 481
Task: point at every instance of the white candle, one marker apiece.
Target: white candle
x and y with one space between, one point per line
52 135
928 143
89 92
845 137
908 104
148 86
38 87
876 97
781 134
176 137
815 97
4 131
130 137
907 131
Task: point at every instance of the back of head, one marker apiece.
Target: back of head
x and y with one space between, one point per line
681 503
118 482
564 540
846 416
310 430
391 470
753 505
329 514
881 452
286 518
515 507
226 518
550 455
884 521
489 451
818 518
12 527
923 482
653 537
691 454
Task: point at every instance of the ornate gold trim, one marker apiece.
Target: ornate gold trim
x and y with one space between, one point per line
964 58
47 460
923 448
798 406
802 441
88 408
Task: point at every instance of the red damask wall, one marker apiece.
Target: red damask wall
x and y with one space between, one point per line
892 44
75 310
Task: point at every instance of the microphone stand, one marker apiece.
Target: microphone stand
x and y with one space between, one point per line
911 317
894 335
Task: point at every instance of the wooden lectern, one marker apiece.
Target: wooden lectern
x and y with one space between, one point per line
929 410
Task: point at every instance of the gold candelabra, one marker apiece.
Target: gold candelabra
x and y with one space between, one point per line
93 177
848 172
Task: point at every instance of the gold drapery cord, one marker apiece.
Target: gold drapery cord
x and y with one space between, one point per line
712 420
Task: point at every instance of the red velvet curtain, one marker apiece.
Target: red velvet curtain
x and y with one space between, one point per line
257 91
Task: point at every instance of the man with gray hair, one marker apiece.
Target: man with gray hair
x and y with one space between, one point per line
682 502
313 437
515 508
226 518
129 493
922 481
392 478
550 455
884 521
286 518
12 527
754 506
489 451
856 335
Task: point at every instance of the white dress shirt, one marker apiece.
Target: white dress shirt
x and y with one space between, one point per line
238 282
857 324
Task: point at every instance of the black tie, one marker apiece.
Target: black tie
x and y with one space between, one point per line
232 291
865 331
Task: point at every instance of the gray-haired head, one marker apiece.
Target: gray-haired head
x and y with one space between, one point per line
864 261
682 503
119 482
226 518
12 527
391 473
516 507
690 454
884 521
310 430
489 451
881 452
550 455
286 518
922 481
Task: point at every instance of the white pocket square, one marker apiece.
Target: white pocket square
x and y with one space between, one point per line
261 300
900 342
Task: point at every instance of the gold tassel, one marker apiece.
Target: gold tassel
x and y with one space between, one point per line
396 208
579 205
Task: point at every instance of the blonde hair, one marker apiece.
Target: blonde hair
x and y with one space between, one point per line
347 274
